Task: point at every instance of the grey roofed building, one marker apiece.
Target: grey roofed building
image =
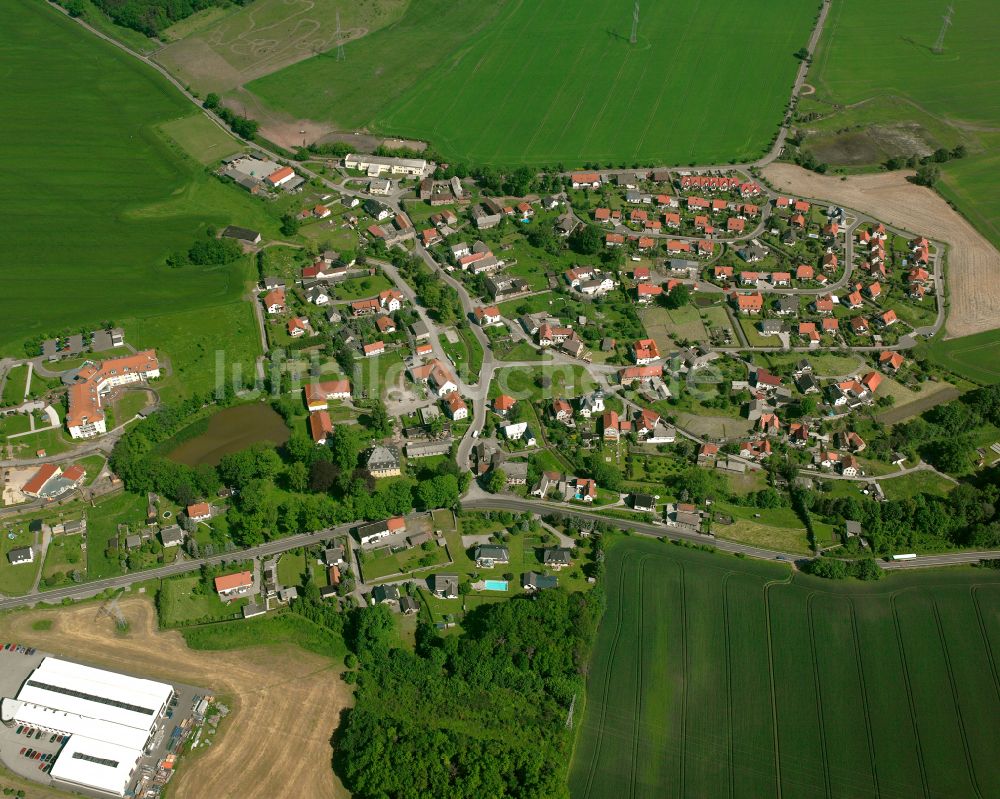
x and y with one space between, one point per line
418 540
382 458
807 384
133 542
327 591
445 585
21 555
688 518
491 554
752 253
333 555
288 593
172 536
271 283
532 581
787 304
408 605
771 327
253 609
427 449
643 502
385 593
607 344
241 234
567 224
852 528
419 330
558 556
49 348
804 366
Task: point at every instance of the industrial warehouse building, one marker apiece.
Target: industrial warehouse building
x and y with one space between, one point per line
110 718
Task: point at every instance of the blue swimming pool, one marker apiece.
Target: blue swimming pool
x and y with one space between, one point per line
495 585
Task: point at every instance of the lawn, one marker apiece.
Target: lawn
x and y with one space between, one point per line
466 354
814 688
113 178
291 567
13 387
539 383
914 483
776 528
361 288
203 346
64 555
374 376
975 357
15 580
102 527
182 601
663 325
201 138
540 83
522 351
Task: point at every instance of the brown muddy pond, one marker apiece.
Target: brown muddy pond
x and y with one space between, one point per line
230 431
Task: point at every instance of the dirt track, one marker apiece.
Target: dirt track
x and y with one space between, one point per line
973 263
287 703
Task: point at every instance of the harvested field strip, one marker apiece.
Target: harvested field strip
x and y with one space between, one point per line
752 685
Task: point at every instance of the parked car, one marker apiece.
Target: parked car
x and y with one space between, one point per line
22 750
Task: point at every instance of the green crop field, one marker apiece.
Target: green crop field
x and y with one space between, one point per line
95 196
975 357
548 81
713 676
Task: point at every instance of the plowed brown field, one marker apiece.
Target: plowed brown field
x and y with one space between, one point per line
287 703
973 263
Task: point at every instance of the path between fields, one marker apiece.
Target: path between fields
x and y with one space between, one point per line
286 701
973 263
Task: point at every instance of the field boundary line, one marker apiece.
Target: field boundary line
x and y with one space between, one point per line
770 670
818 683
864 696
607 682
909 695
729 682
954 698
974 591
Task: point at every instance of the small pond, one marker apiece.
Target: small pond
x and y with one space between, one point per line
232 430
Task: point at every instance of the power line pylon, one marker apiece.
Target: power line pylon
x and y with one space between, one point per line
635 23
945 24
340 44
